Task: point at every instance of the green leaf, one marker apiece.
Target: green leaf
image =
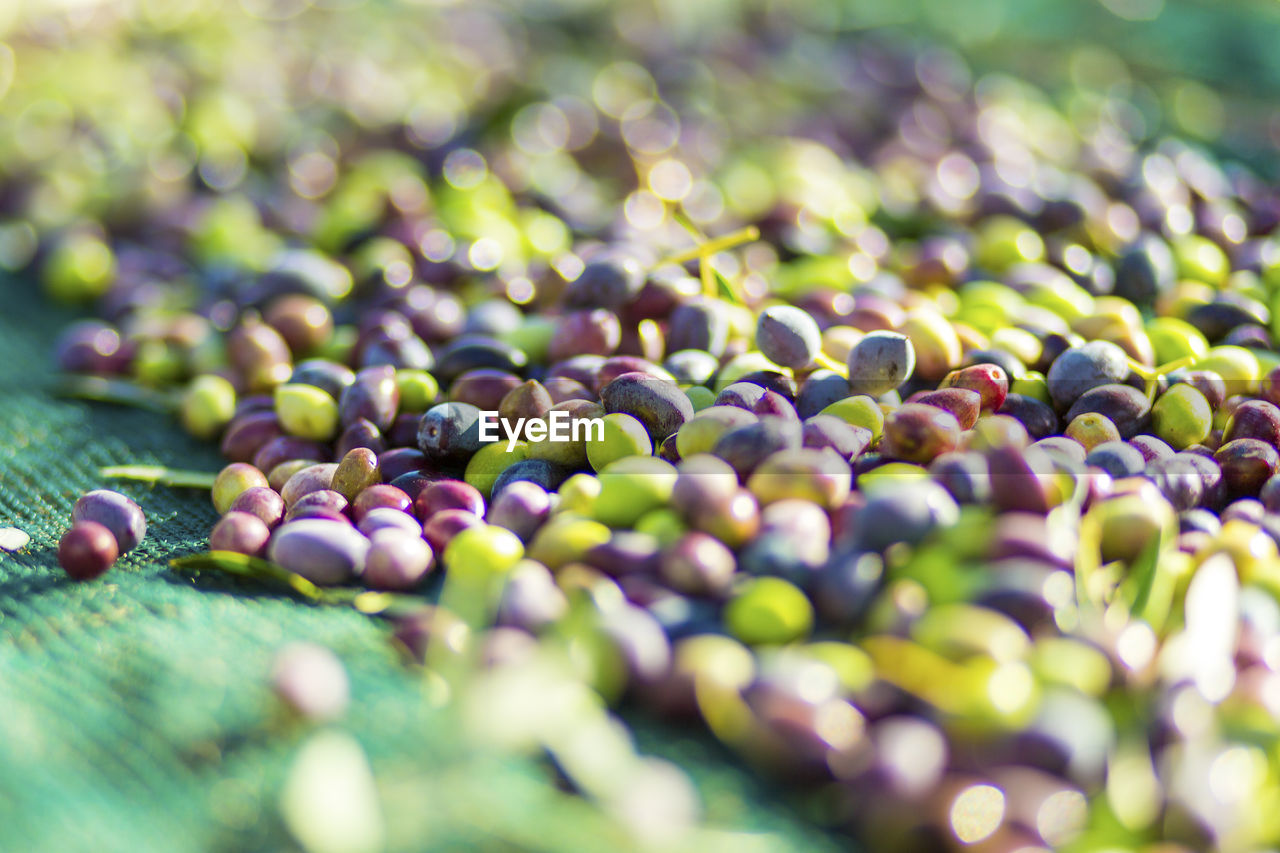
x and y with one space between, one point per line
118 391
725 288
160 475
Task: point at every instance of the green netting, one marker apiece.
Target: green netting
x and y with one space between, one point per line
134 711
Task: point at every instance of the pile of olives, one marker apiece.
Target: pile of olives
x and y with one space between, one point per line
930 437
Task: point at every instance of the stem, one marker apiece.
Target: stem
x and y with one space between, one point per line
716 245
118 391
824 360
242 565
160 475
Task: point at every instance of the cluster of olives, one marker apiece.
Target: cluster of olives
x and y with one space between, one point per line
944 486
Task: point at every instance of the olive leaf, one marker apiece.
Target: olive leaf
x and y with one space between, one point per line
118 391
256 568
159 475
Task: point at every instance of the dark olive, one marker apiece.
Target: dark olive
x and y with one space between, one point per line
658 404
1038 418
918 433
1246 464
963 404
964 475
1254 419
483 388
1127 407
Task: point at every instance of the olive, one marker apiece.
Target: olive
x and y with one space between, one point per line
990 381
1126 407
484 387
379 497
1246 464
1021 480
788 336
521 507
1063 447
262 502
744 395
1254 419
1151 447
364 434
450 431
476 351
120 515
963 403
880 362
1038 419
609 280
1078 370
847 440
745 447
593 332
902 512
820 389
918 433
964 475
698 564
246 434
373 396
321 550
658 404
692 366
1145 270
1117 459
239 532
87 550
772 381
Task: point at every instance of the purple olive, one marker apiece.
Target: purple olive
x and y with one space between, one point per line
115 512
240 532
397 559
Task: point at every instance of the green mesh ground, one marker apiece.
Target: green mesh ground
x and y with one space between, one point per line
133 710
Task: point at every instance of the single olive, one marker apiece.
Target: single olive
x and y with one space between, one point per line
313 478
356 472
374 396
745 447
380 496
917 433
397 559
239 532
659 404
522 507
441 527
880 362
119 514
262 502
483 388
788 336
384 516
321 550
208 405
1092 429
963 403
1253 419
990 381
87 550
1126 407
1247 463
1083 368
1182 417
448 494
698 565
450 431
